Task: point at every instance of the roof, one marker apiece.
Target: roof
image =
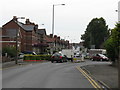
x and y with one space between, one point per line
42 31
25 27
22 25
49 39
28 27
19 23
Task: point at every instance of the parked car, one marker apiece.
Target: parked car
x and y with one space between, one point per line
29 52
77 55
21 55
58 57
99 57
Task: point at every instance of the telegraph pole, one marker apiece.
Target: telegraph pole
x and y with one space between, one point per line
17 32
16 60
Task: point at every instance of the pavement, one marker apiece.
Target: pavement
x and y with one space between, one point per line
105 74
11 64
20 62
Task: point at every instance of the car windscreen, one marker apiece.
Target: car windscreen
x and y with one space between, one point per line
102 55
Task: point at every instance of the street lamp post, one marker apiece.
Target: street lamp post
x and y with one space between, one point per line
17 32
53 17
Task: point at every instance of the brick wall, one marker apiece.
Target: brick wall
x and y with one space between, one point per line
26 43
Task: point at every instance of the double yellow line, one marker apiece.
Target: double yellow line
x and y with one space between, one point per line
93 82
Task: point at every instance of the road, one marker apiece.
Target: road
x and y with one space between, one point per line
46 75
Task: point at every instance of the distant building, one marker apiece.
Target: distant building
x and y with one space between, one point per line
55 43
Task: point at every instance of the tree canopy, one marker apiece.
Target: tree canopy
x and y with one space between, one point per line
96 32
112 44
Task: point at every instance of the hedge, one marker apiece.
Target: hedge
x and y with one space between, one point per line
37 57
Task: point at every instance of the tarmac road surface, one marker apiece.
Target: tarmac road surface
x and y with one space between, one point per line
46 75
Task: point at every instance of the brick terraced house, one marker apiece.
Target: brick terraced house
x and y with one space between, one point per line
30 38
26 34
55 43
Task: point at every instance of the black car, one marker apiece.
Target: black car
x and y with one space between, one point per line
58 57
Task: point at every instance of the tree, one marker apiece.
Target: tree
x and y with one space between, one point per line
95 33
112 44
11 51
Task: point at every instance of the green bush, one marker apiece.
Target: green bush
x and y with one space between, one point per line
112 44
11 51
37 57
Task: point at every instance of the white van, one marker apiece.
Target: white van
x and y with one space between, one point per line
69 53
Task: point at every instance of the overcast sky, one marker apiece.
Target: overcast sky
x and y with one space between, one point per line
70 20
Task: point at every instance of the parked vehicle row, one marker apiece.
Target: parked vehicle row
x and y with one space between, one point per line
65 55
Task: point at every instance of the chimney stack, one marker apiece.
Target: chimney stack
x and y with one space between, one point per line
15 18
27 21
36 26
59 37
51 35
55 36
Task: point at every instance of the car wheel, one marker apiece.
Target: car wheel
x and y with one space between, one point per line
92 59
66 60
101 59
52 61
61 61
